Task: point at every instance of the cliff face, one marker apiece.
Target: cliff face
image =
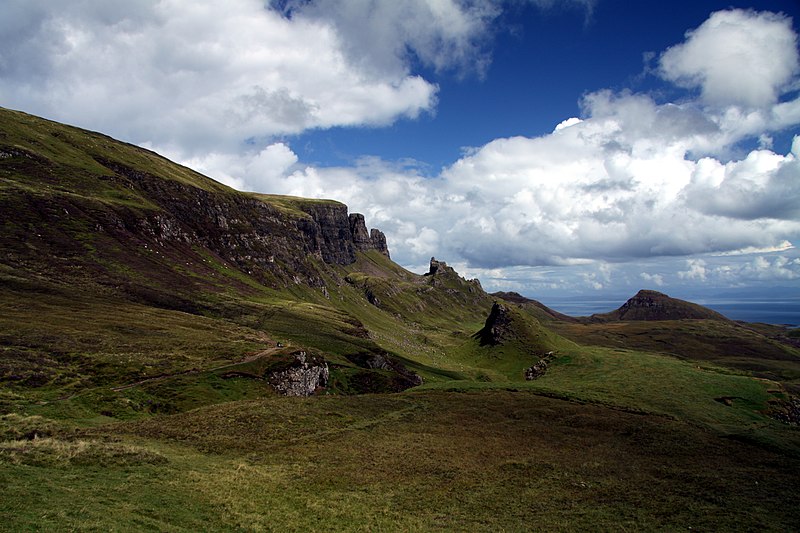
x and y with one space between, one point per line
363 241
247 231
378 240
125 216
328 236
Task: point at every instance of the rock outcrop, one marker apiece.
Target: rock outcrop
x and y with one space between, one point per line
303 377
378 240
364 240
540 368
787 411
360 235
441 274
515 331
497 328
402 377
439 267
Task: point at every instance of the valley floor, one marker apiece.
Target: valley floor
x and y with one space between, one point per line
418 461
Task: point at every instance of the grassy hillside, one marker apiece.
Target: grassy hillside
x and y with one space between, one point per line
762 352
144 307
491 460
537 309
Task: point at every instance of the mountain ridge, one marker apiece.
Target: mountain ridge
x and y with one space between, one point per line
266 236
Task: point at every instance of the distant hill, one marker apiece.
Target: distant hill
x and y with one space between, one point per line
653 305
534 307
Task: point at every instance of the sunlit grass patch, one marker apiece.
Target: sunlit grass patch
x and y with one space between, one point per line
53 452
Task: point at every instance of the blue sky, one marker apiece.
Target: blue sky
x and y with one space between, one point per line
549 147
542 62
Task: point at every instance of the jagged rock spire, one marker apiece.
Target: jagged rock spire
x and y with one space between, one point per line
363 240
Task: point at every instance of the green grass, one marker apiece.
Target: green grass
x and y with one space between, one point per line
653 384
76 156
493 460
747 349
293 205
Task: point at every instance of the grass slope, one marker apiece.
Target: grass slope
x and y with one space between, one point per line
494 460
743 348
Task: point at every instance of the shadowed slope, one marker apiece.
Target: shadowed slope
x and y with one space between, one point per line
534 307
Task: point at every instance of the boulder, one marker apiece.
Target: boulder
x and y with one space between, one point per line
302 378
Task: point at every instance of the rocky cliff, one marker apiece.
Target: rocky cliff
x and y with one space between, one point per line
248 229
441 274
362 240
94 204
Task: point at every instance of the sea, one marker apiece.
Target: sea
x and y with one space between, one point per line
784 311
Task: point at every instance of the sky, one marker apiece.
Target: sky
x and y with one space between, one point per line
553 148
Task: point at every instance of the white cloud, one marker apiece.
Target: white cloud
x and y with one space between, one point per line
762 268
211 75
617 185
764 185
757 50
257 171
696 270
656 279
424 243
780 268
780 247
567 123
381 35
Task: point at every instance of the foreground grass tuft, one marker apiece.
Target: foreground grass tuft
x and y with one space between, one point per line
51 452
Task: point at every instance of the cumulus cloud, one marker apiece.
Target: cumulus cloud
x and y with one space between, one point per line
382 35
769 268
695 269
656 279
618 184
212 75
257 171
779 268
764 185
632 178
757 49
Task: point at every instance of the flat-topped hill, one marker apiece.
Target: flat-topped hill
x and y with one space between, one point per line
653 305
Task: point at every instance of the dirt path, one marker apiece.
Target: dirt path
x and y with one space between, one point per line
154 379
